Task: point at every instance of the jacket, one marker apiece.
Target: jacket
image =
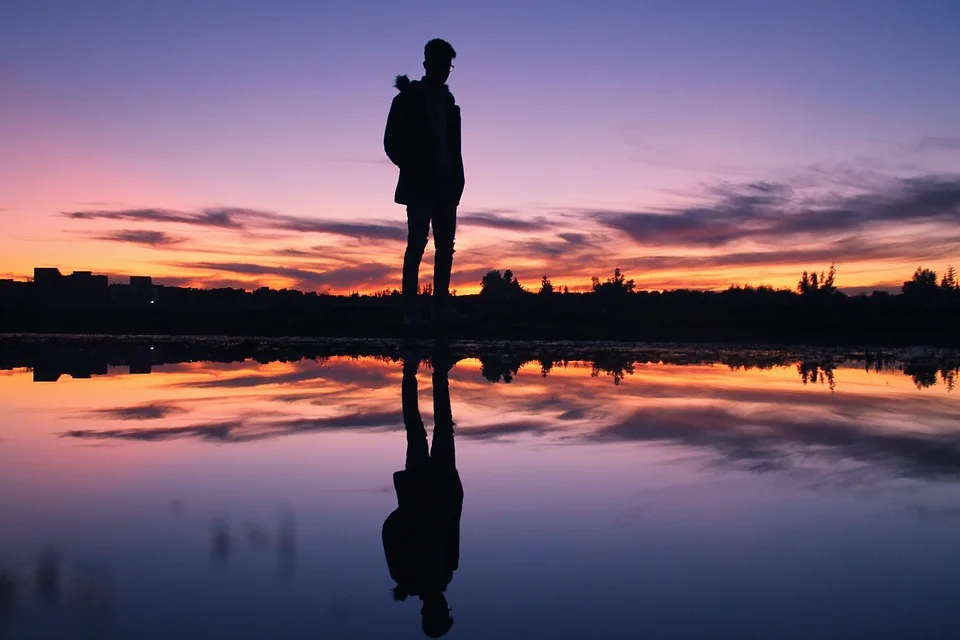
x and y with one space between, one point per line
408 143
421 537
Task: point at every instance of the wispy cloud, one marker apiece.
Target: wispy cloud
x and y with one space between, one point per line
764 444
243 219
837 211
220 218
206 431
147 411
578 247
500 220
361 230
851 248
776 212
197 281
249 429
143 237
373 273
725 423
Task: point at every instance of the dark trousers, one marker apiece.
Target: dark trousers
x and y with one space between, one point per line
420 217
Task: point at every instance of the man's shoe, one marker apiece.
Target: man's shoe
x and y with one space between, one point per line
414 318
445 314
411 358
444 360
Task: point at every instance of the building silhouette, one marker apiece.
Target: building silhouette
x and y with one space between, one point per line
79 289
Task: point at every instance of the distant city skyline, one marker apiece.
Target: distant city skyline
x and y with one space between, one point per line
692 144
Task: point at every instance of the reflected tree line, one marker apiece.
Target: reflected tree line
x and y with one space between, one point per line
620 367
923 375
49 359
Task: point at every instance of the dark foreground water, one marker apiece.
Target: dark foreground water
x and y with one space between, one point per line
570 500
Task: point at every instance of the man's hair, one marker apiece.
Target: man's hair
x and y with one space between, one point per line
436 626
438 49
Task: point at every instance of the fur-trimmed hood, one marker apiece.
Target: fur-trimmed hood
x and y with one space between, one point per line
410 141
404 84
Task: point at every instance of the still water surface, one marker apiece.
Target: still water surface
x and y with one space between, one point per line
249 500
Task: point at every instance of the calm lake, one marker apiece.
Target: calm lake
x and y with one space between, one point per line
693 493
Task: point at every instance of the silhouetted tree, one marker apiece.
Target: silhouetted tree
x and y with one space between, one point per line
617 367
923 283
923 375
546 287
500 286
618 284
828 285
949 281
546 366
812 283
490 283
497 367
813 372
949 378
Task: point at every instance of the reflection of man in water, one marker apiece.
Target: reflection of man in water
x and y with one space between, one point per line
421 538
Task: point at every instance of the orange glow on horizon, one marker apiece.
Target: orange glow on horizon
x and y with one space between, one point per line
890 274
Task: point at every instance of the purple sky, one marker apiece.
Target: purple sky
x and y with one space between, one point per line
570 113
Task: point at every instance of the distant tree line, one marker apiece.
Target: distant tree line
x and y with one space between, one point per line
925 311
924 283
83 356
504 285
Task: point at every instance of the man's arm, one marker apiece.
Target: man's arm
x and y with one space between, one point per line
395 134
458 155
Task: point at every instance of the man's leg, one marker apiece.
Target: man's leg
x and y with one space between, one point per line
444 232
442 452
418 226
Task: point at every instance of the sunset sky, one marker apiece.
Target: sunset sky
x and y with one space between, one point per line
691 143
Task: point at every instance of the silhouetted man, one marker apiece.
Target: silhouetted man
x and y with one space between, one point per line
422 138
421 537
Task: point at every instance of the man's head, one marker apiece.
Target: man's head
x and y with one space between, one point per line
435 615
438 58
